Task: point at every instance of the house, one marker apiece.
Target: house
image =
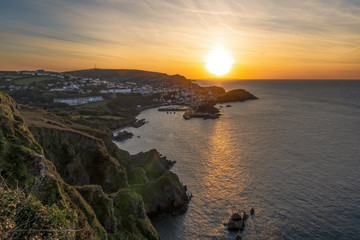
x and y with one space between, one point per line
115 91
32 73
78 101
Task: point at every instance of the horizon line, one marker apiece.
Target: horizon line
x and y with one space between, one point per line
193 79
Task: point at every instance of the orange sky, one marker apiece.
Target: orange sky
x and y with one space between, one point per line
266 38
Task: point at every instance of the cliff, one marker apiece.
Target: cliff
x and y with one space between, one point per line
79 168
22 164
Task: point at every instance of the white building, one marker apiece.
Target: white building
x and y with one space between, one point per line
78 101
115 91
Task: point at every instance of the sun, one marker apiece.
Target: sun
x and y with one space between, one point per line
219 62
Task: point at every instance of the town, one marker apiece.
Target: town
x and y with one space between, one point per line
81 90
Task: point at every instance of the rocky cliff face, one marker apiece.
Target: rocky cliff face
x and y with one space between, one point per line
77 167
22 164
161 189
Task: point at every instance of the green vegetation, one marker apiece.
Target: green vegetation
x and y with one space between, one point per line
30 80
123 75
11 76
22 164
24 217
16 143
97 117
111 185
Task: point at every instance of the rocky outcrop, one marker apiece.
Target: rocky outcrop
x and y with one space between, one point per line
164 195
129 209
102 205
237 222
138 123
205 110
81 159
123 135
161 189
237 95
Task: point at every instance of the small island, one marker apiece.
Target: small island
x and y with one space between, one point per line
207 109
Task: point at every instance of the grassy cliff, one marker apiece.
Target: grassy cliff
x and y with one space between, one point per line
78 168
23 166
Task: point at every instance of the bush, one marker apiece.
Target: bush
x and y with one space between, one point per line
24 217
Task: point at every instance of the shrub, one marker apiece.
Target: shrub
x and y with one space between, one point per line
22 216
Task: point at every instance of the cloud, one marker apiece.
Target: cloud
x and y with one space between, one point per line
182 28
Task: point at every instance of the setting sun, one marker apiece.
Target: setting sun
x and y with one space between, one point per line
219 62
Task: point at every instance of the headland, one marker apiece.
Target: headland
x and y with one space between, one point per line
56 144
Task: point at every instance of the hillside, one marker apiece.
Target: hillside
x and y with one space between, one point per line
80 169
125 75
22 164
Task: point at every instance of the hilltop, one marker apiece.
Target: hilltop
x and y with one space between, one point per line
126 75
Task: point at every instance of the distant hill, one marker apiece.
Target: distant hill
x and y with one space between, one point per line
124 75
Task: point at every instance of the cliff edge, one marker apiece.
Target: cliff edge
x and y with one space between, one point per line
79 169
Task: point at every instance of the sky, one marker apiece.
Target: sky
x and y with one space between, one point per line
267 39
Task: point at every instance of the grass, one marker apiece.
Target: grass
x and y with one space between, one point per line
29 80
96 105
37 117
11 76
100 117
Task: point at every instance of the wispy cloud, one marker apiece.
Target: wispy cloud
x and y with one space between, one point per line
181 31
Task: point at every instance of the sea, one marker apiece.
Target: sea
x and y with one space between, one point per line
293 155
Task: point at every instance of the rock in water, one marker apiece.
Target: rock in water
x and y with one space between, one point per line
138 123
236 217
244 215
235 225
238 237
123 135
252 211
236 222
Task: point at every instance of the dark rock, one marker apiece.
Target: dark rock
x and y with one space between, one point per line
123 135
244 216
138 123
238 237
228 105
235 225
237 222
237 95
252 211
236 217
169 162
206 111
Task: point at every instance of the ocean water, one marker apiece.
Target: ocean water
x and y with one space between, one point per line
293 155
